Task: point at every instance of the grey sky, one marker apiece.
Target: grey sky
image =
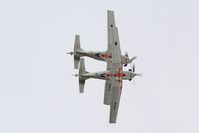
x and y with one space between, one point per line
37 93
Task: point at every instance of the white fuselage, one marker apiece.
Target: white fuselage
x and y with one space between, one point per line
100 55
106 75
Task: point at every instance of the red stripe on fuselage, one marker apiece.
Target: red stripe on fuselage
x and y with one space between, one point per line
104 56
118 74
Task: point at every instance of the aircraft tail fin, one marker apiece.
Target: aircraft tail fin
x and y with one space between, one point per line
75 50
82 79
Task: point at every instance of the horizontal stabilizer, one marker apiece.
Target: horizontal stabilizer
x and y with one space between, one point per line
81 77
76 48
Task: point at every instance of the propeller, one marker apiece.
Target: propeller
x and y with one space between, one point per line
132 69
138 74
126 54
71 53
134 74
135 57
129 60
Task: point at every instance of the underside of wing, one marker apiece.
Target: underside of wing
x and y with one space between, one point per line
115 67
110 26
116 93
116 51
107 93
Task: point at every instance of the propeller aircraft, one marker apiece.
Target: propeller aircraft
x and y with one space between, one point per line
114 74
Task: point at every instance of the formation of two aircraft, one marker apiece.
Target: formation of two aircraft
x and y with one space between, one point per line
114 75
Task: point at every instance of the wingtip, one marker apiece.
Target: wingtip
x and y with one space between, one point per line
77 35
110 11
112 122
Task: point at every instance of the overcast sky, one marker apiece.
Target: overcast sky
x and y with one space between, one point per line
38 95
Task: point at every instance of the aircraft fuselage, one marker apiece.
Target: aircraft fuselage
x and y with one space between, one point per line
99 55
102 56
106 75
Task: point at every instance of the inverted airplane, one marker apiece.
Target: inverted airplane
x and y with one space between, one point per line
99 55
114 74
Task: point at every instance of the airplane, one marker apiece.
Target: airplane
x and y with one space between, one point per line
98 55
114 75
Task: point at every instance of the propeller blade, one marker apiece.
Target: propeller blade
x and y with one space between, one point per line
126 54
138 74
133 67
135 57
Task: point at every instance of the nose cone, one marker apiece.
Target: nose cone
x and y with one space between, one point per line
126 60
129 61
130 76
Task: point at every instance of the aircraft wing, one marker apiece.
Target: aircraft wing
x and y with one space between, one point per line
117 77
107 93
116 89
116 93
113 86
112 32
110 26
114 49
